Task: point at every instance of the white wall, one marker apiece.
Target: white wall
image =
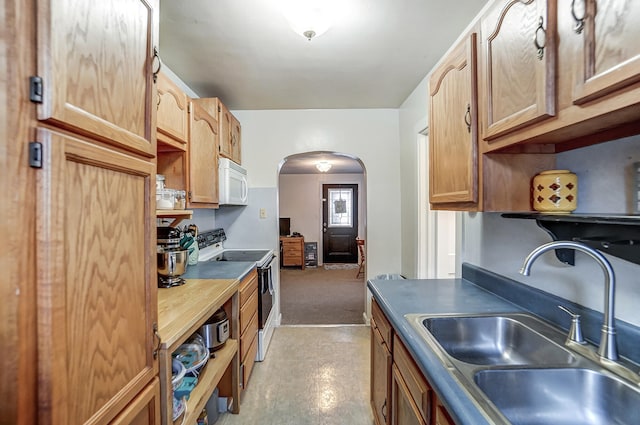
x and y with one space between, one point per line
413 120
501 244
301 200
368 134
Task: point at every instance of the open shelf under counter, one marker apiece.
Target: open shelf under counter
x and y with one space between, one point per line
182 310
177 215
208 380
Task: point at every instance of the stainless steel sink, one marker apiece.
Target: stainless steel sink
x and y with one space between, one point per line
520 370
560 396
495 340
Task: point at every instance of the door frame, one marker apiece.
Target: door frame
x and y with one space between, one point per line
430 247
356 213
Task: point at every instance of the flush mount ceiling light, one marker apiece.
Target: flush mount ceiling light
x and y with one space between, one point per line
309 18
323 166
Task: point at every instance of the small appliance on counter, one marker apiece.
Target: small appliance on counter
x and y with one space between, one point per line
216 331
172 258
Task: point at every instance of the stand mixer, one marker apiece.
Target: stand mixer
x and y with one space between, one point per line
172 259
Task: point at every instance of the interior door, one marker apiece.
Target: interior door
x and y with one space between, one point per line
340 223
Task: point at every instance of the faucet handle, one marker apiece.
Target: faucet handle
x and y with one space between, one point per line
575 331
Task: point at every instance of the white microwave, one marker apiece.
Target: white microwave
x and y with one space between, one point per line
232 179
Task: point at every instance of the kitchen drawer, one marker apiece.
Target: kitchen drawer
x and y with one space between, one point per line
416 384
248 310
291 250
246 366
248 286
248 335
382 324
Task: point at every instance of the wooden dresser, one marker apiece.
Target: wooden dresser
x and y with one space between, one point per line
292 251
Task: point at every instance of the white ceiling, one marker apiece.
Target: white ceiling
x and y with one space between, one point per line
244 52
306 164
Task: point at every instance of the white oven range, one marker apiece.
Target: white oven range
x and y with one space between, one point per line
210 244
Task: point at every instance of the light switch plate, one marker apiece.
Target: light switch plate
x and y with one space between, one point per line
263 213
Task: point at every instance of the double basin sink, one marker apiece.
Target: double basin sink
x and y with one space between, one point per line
519 371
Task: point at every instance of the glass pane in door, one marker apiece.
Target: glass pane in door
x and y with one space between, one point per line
341 207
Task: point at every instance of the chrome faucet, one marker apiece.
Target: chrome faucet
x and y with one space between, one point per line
608 348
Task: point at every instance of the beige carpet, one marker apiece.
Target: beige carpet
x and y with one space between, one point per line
321 297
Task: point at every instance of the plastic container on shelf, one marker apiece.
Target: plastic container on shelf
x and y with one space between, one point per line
160 182
180 200
165 199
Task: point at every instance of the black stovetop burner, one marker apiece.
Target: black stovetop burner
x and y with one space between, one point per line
240 255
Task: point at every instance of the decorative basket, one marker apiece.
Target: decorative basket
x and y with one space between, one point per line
555 192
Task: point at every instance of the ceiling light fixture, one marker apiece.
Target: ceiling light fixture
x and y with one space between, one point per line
323 166
309 18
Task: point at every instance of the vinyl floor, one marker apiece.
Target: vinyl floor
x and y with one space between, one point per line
311 376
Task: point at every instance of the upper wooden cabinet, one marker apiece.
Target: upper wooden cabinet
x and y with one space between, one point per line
173 116
96 65
518 65
202 184
95 284
229 130
236 137
610 51
453 135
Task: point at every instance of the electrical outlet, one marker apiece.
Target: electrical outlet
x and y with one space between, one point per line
263 213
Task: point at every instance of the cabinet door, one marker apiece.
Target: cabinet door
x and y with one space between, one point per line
96 65
453 136
224 118
203 158
405 411
173 118
236 140
610 50
144 409
518 86
96 282
380 377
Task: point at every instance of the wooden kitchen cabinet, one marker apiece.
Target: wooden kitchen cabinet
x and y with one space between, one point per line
413 381
229 130
609 49
144 409
202 166
453 131
173 114
96 66
236 141
405 411
92 277
597 81
95 282
400 393
517 78
381 363
182 310
196 170
248 326
292 251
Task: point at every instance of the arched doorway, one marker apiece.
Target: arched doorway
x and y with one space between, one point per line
322 199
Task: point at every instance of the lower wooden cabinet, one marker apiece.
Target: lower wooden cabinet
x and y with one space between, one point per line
144 409
292 251
95 287
400 394
405 411
248 326
381 362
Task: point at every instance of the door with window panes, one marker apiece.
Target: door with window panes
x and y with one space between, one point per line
339 223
